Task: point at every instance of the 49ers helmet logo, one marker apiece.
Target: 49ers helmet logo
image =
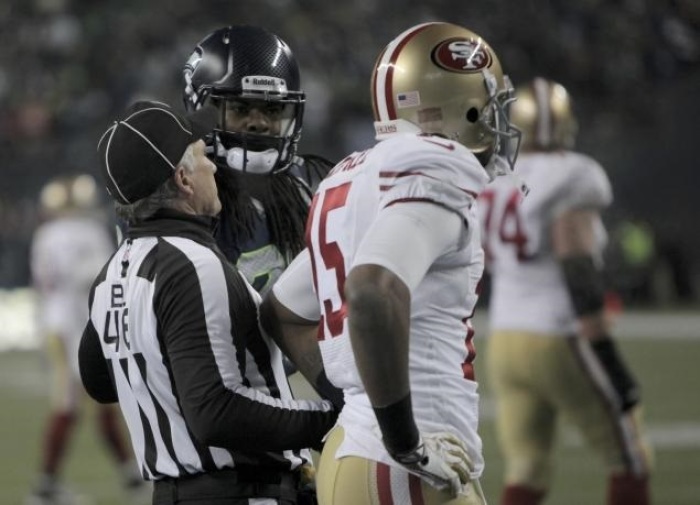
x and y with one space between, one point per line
462 55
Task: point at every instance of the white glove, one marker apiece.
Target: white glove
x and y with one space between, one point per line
440 459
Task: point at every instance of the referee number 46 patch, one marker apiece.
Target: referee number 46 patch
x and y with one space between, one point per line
116 328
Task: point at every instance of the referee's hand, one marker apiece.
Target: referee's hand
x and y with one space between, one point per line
307 486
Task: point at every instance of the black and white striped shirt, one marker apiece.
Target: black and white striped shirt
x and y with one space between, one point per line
173 336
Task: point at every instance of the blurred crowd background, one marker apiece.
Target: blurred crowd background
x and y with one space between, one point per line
633 66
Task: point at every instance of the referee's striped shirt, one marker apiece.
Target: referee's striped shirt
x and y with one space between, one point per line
173 336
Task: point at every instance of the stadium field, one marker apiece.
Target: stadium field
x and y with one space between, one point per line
663 349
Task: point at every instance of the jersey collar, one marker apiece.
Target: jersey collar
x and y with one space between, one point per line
169 222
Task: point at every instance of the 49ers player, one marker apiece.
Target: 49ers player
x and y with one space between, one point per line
389 281
550 352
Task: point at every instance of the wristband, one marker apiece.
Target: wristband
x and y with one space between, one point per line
416 456
398 427
621 378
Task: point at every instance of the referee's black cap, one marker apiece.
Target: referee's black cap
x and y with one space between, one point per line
140 151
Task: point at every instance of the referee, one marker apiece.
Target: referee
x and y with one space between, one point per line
173 334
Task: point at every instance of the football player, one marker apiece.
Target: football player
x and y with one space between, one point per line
389 280
68 250
265 186
551 354
252 77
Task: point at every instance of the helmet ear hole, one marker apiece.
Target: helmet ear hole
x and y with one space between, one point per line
472 115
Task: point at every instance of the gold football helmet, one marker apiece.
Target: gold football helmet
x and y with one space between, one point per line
544 112
443 79
69 194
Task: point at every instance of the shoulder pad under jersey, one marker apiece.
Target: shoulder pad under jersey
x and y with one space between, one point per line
429 168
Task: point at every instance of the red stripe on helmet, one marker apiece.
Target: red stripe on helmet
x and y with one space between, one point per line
373 88
391 110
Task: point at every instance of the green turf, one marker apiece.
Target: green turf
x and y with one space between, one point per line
668 370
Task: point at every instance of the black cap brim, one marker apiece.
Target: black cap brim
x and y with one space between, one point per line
203 121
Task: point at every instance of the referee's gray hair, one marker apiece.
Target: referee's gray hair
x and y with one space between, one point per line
165 197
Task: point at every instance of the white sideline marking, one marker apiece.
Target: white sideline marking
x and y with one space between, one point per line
17 319
673 435
18 329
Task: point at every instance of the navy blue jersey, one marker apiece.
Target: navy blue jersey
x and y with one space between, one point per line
261 226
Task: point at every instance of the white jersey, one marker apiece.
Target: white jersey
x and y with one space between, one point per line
529 292
404 168
67 253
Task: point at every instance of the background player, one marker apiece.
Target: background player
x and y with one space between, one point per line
68 250
550 353
395 260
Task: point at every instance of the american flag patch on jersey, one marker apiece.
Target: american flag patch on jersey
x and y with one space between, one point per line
408 99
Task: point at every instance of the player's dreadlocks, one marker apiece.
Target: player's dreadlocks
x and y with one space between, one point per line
284 197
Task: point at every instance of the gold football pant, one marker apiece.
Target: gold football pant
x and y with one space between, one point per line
536 380
357 481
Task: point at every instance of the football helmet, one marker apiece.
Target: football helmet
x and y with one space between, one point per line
238 66
543 111
67 194
443 79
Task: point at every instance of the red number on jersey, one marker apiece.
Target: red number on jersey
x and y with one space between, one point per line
331 255
508 229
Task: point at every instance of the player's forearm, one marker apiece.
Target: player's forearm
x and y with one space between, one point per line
586 288
297 338
378 317
301 346
574 243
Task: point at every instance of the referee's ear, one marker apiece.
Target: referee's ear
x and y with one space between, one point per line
183 180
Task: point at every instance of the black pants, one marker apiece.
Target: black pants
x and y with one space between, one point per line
227 487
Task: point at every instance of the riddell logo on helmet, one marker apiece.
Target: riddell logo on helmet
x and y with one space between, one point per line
264 83
462 55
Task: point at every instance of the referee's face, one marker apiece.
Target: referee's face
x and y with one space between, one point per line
206 197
